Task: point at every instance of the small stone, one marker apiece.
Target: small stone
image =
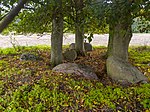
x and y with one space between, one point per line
28 56
87 46
70 55
72 46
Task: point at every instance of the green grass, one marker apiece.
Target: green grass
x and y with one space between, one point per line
19 49
53 93
33 87
140 55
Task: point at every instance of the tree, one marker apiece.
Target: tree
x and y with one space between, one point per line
79 27
57 23
12 14
80 19
75 20
57 34
120 33
36 17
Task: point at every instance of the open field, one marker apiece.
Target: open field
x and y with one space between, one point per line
99 40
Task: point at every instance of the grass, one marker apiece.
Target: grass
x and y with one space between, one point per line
27 86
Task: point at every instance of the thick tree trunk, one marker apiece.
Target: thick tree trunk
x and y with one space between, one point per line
110 41
57 35
120 36
12 14
118 67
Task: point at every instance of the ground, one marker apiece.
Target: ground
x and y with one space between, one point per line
32 86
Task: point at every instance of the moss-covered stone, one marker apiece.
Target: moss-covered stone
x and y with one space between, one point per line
87 46
70 55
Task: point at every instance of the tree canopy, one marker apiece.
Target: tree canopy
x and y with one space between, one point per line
36 16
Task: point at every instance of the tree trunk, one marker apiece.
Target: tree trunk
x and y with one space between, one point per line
118 67
110 41
79 41
79 28
12 14
119 38
57 35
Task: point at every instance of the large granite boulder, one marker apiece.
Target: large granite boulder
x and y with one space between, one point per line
76 69
123 72
87 46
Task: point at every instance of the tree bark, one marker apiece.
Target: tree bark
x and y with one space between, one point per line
79 28
119 37
57 35
79 41
12 14
118 67
110 41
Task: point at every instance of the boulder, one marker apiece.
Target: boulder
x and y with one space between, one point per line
70 55
72 46
123 72
28 56
76 69
87 46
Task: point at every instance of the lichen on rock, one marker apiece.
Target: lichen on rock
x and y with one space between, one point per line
76 69
29 56
70 55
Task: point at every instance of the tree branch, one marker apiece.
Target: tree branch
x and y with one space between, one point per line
11 15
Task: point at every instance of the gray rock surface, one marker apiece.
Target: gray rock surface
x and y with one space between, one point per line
76 69
72 46
28 56
122 71
87 46
70 55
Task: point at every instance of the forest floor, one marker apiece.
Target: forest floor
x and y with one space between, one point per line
32 86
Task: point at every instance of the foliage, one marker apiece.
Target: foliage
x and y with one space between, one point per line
141 25
32 86
140 57
7 51
36 16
